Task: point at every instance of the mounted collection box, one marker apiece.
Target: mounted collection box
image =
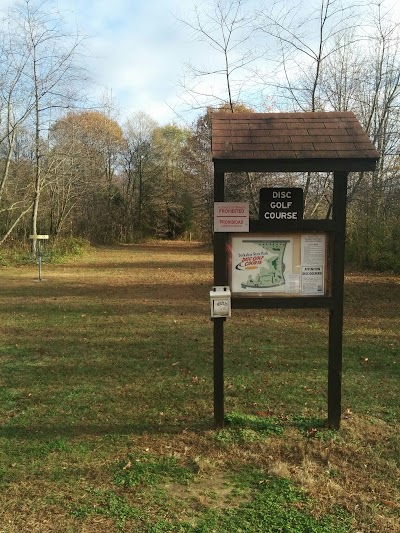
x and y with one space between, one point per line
220 300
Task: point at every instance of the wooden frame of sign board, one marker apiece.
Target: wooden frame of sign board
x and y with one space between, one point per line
328 142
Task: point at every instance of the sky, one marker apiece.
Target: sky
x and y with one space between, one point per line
136 51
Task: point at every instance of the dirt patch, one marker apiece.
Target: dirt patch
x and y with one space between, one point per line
207 492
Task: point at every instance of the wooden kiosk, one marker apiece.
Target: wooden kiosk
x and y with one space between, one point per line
289 142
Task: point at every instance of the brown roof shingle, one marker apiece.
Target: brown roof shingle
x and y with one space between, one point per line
269 141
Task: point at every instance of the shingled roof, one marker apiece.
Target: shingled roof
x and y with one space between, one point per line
323 141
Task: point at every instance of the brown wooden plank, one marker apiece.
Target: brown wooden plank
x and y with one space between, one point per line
252 146
247 154
293 146
298 132
268 126
356 153
334 146
317 154
339 137
363 144
310 138
336 125
257 139
222 147
276 154
273 133
354 128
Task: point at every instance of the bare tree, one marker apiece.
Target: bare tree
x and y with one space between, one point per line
44 59
139 166
225 28
15 108
306 35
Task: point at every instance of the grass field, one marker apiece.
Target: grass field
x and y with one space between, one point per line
106 415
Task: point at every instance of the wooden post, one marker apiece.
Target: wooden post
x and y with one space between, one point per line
220 278
219 412
336 312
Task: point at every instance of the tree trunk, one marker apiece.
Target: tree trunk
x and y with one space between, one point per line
38 173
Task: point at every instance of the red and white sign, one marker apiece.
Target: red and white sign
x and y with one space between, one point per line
231 216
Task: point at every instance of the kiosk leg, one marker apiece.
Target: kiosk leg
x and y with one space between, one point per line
336 313
220 278
219 372
335 368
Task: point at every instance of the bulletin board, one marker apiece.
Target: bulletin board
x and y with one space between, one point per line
267 264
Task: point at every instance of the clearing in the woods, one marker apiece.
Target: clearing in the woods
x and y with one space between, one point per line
106 403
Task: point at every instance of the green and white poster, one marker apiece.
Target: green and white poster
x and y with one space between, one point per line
263 264
287 264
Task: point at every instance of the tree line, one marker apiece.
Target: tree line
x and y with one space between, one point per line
69 168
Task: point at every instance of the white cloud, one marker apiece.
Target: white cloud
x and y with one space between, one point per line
137 49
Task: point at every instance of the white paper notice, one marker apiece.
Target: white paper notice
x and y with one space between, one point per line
292 285
312 264
313 250
312 280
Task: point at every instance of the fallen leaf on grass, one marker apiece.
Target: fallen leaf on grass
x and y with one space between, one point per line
264 413
390 503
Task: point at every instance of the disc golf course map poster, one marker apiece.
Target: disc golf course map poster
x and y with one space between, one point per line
289 264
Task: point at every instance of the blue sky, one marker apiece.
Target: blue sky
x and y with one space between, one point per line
137 49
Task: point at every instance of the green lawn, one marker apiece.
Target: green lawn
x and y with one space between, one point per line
106 414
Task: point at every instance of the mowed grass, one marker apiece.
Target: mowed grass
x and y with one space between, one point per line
106 413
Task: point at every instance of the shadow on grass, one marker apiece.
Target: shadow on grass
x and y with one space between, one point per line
129 292
265 426
133 264
44 432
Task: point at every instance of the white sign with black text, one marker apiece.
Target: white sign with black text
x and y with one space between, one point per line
312 264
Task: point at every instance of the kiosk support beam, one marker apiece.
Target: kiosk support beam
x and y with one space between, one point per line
219 372
220 278
336 311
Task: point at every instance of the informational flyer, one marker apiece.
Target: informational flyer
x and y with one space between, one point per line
262 264
312 280
292 285
313 250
